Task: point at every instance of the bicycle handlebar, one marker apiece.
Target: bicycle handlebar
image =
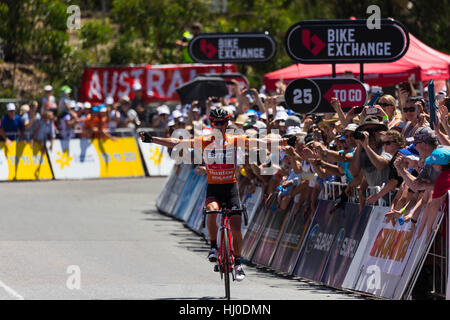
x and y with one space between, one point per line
228 212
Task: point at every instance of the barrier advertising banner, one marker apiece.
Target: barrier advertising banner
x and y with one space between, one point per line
157 159
255 228
162 202
19 161
195 220
271 234
181 177
326 236
352 226
386 258
291 242
95 158
158 82
251 202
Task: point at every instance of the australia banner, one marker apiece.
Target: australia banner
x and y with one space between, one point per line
158 82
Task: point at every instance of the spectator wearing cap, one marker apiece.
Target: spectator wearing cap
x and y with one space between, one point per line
160 122
113 114
425 142
439 159
12 125
63 105
138 103
45 130
128 117
68 121
48 101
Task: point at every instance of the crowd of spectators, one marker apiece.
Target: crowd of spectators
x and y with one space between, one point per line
66 118
383 157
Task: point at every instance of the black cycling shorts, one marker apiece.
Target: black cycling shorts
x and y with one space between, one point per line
227 193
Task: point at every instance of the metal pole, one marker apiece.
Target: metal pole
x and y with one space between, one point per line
333 70
361 72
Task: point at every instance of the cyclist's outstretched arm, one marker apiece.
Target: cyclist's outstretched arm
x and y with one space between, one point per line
167 142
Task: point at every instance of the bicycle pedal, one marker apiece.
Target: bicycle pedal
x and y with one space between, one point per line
216 268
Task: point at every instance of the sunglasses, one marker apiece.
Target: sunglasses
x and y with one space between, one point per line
387 143
218 123
385 104
410 109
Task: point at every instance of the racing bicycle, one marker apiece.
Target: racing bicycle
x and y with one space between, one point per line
225 257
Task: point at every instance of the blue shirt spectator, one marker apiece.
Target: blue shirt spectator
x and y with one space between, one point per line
11 124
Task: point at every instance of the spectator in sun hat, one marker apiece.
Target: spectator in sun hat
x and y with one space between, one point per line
369 156
12 126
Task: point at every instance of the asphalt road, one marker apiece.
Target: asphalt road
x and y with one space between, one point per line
104 239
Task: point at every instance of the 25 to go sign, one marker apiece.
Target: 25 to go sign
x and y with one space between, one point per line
308 96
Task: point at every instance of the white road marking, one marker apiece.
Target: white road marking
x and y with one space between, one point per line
11 292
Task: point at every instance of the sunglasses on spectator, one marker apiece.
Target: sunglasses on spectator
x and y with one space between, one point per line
218 123
387 143
383 104
410 109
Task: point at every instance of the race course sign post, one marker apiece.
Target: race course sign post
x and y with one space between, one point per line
232 47
346 41
314 95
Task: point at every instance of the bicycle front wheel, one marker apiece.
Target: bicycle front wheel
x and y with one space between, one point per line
226 262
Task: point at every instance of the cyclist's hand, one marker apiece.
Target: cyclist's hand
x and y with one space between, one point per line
146 137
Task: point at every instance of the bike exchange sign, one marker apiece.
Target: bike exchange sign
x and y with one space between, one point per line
346 41
232 47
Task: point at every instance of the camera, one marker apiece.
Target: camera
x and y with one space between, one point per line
358 135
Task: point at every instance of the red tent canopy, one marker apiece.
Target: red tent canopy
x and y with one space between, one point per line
420 60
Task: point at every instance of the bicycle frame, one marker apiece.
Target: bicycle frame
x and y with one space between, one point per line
225 236
225 258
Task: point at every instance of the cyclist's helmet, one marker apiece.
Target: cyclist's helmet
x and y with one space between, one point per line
219 114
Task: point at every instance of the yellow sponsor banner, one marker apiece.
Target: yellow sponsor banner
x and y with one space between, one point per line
19 161
118 158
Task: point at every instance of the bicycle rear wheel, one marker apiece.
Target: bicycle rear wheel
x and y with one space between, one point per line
226 262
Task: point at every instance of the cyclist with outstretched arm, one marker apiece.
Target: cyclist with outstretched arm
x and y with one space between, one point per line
221 165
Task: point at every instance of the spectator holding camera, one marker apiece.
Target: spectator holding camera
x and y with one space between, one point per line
369 156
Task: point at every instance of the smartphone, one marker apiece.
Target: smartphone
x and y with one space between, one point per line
371 110
250 92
